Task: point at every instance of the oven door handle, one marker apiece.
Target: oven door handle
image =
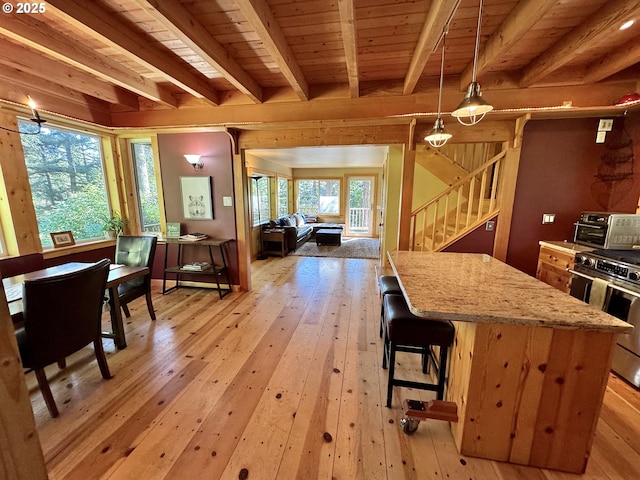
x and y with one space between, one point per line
625 290
579 274
610 285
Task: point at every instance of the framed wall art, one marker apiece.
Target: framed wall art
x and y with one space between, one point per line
62 239
197 198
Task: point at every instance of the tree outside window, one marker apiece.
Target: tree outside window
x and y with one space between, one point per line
67 182
260 200
146 187
283 196
317 197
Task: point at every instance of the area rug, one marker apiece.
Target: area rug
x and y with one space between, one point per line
350 248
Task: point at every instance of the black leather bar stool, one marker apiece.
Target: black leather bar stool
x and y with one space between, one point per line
388 285
406 332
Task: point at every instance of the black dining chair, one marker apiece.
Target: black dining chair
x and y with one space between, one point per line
136 251
62 315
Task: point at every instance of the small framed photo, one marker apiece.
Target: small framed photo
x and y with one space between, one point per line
197 198
173 230
62 239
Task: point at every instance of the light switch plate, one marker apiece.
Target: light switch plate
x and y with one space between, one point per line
490 226
600 137
548 218
227 201
605 125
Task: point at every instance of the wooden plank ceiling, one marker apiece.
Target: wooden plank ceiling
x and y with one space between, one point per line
120 58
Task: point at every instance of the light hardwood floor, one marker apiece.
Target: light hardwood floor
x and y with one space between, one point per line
282 382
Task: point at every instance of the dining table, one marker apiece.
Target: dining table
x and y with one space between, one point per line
118 274
529 365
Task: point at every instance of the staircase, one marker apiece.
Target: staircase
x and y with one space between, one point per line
466 204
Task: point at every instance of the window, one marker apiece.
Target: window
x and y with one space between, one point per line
283 196
67 182
317 197
260 200
146 186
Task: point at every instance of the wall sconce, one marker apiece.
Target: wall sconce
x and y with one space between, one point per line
195 161
35 118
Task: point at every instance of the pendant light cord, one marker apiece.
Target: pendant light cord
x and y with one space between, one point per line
475 56
444 40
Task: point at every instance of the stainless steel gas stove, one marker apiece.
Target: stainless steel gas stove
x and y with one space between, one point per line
618 273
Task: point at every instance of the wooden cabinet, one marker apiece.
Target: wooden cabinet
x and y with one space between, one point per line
552 267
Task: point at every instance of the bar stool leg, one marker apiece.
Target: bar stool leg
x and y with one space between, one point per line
392 362
442 372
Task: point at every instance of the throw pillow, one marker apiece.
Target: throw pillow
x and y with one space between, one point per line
298 219
290 221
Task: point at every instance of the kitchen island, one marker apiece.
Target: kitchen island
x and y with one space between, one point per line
529 364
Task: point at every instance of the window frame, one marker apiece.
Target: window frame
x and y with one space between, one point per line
255 221
338 180
137 208
279 211
108 171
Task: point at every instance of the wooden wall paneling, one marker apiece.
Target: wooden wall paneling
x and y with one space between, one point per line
537 407
572 398
16 206
406 199
22 457
460 359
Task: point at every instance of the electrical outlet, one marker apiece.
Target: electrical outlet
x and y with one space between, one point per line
227 201
491 225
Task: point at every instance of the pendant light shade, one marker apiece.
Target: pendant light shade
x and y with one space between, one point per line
438 136
473 107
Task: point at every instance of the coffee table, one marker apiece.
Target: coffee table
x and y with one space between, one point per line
327 236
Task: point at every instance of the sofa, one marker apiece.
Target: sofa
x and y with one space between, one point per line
297 230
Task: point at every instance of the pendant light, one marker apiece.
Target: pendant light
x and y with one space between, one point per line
473 107
438 136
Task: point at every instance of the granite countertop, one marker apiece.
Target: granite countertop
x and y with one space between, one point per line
472 287
565 246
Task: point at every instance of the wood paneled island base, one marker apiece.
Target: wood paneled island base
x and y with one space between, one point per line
529 365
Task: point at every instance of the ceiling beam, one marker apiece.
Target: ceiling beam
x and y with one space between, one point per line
626 56
106 27
179 21
598 27
44 38
438 17
39 68
261 18
512 29
350 43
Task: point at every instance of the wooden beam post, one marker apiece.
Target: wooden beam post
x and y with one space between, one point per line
408 169
507 189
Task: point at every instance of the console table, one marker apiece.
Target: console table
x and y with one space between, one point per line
216 270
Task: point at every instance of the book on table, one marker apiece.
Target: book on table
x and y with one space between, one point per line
196 266
193 237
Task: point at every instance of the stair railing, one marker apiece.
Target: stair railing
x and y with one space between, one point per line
459 209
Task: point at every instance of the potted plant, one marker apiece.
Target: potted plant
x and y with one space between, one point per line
113 226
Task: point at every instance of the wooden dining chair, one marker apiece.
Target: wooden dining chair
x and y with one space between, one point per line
62 314
137 251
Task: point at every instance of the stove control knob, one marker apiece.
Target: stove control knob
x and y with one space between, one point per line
589 262
580 259
635 276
